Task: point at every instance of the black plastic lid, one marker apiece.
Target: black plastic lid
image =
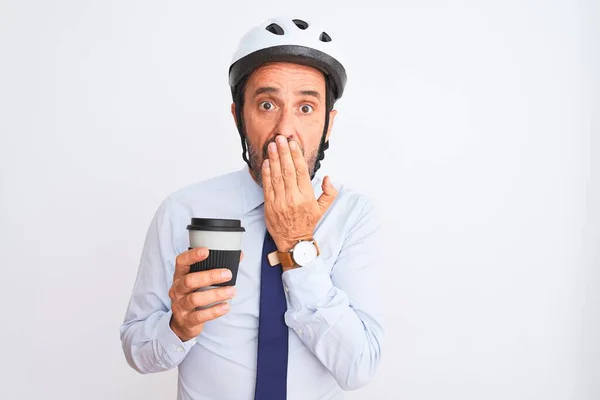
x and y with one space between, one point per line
216 225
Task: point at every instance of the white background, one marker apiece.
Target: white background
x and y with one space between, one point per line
470 123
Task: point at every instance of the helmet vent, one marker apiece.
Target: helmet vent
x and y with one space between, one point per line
300 24
275 29
325 37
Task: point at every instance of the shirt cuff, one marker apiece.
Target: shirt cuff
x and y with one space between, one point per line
309 286
173 347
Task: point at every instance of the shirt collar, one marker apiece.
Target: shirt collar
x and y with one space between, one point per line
252 193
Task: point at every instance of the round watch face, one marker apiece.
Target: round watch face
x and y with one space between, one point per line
304 252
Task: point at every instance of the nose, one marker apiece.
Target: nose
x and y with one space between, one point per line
286 124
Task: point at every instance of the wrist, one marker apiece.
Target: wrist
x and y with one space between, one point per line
286 245
178 332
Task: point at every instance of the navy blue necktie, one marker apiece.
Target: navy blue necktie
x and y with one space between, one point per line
272 361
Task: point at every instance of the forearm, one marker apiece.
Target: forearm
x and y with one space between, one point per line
346 339
151 346
148 342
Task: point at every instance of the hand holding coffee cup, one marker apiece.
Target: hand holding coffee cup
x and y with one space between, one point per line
191 308
205 275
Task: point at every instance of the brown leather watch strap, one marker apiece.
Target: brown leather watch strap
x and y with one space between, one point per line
286 260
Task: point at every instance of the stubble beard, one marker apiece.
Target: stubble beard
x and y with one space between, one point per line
256 160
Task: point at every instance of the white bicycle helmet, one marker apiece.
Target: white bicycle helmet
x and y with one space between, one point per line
288 40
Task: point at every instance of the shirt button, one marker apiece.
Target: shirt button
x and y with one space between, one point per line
287 289
299 332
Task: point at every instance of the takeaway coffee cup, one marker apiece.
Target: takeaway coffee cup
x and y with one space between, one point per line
223 239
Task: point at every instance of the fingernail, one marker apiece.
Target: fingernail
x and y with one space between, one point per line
292 145
225 307
230 291
267 163
226 274
281 139
201 252
272 147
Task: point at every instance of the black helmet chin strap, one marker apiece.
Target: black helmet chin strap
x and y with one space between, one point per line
324 142
238 100
240 128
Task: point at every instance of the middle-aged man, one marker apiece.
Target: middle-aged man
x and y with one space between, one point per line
309 327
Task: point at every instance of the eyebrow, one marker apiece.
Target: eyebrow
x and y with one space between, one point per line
270 89
265 89
313 93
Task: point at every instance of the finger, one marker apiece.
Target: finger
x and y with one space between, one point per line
241 256
328 196
276 178
206 297
302 175
201 279
187 258
201 316
266 178
288 170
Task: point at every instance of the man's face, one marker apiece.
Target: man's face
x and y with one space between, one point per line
284 99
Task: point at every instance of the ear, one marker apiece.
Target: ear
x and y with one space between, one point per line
233 113
332 115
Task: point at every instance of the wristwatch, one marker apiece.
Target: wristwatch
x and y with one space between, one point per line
303 253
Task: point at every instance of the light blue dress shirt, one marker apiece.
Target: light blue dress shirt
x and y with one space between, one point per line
334 304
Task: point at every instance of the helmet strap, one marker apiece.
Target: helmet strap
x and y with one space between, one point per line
238 100
324 142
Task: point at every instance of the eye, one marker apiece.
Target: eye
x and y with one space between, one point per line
266 106
306 109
